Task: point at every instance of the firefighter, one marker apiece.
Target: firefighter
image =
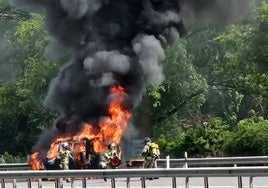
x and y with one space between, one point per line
112 156
88 153
150 153
64 155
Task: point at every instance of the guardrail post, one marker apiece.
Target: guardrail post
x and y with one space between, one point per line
112 182
2 183
168 164
186 182
128 182
29 183
186 166
174 182
186 158
206 182
39 183
14 183
84 182
56 183
240 182
250 182
72 182
59 183
143 182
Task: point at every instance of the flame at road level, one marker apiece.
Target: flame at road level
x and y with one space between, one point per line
110 129
35 163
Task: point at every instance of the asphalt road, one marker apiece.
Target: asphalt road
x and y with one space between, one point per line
214 182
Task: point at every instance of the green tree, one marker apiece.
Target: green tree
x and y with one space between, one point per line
257 40
23 116
183 91
207 139
8 12
170 137
250 137
235 73
179 98
234 65
9 19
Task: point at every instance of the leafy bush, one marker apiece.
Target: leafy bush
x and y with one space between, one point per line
169 136
14 159
207 140
250 137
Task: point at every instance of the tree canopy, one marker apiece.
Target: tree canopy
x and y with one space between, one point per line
23 116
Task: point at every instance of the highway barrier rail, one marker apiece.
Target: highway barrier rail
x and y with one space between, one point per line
112 174
176 163
204 162
238 167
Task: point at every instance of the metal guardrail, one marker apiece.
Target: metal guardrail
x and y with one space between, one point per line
175 163
205 162
134 173
240 166
219 161
15 166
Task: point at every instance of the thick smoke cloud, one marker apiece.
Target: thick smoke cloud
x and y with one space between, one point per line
113 42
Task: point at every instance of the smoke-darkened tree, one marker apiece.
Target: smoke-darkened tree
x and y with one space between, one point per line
234 65
184 89
243 53
176 104
8 12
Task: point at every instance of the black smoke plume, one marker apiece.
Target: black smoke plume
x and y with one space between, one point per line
113 42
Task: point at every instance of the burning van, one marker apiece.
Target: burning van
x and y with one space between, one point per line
88 144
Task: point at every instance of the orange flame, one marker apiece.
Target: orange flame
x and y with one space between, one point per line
35 162
110 130
113 127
